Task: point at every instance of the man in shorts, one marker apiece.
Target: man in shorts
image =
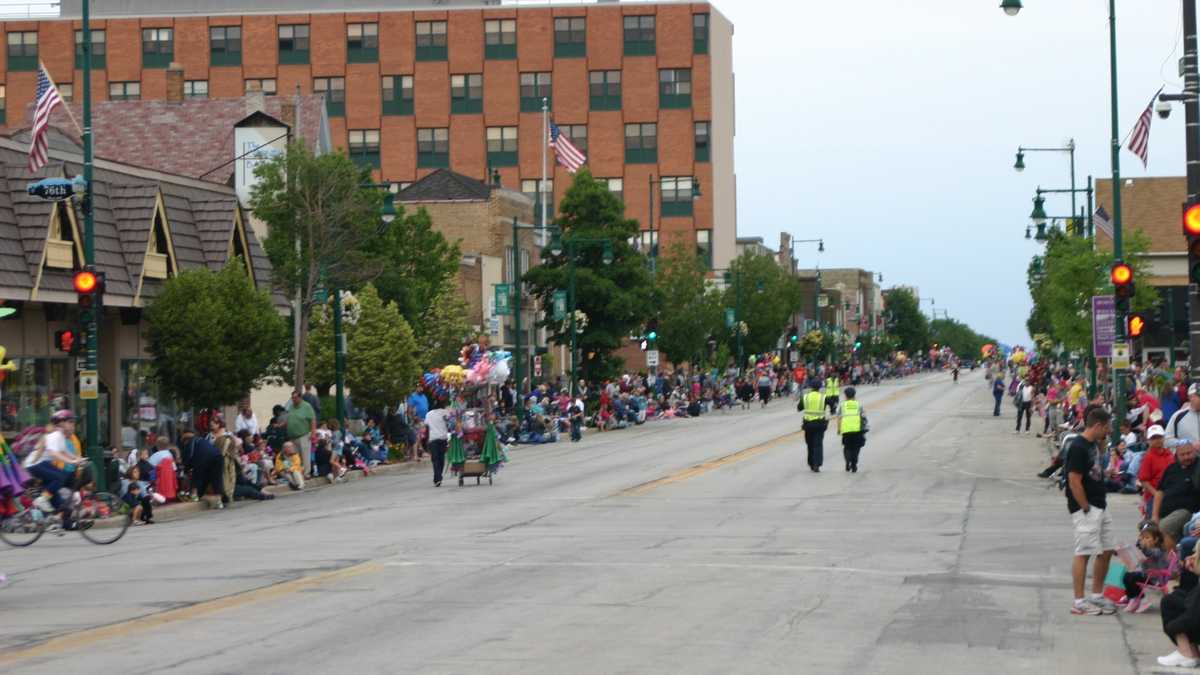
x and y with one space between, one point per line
1086 503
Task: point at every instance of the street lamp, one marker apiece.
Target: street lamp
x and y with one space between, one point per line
1038 215
1069 148
1076 220
569 244
652 182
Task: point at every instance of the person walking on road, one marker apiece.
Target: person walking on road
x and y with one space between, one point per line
764 387
439 439
832 384
852 430
1024 401
1092 523
815 424
998 392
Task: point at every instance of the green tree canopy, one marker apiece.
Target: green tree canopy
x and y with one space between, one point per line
765 297
417 264
442 328
906 321
213 335
959 337
689 311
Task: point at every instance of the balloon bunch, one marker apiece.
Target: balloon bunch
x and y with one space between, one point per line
476 367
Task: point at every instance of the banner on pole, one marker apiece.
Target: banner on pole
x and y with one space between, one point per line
560 305
1104 325
503 305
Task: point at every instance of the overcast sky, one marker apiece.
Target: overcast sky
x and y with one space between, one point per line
889 127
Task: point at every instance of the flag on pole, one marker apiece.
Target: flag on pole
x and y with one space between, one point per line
565 151
1102 221
47 99
1139 138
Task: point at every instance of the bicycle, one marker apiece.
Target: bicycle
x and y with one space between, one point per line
99 517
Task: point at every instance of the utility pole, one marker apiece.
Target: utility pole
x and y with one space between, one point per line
92 356
1118 241
1191 107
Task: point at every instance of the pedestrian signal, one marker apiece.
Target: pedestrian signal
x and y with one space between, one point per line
64 341
1136 325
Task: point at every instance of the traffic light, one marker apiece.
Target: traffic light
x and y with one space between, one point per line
651 332
1191 232
89 291
1121 275
1135 325
66 340
793 336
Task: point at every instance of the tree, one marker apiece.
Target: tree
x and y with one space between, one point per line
959 337
689 311
381 353
213 335
418 265
906 321
442 328
613 296
321 216
768 298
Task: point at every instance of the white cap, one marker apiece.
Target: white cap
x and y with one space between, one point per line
1155 431
1194 390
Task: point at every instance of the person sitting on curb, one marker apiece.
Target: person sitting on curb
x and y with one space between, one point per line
290 467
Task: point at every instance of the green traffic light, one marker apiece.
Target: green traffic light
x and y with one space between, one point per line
652 335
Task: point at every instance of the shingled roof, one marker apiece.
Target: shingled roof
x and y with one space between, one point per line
445 185
201 219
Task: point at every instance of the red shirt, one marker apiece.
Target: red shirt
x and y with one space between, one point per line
1154 464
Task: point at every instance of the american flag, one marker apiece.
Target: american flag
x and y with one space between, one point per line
1102 221
568 155
1139 138
48 99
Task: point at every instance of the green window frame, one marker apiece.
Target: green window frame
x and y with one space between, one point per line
3 103
700 33
639 35
616 186
677 195
675 88
433 148
397 94
158 47
501 146
334 89
532 188
577 134
604 89
194 90
704 248
225 45
293 43
362 43
363 147
431 41
22 50
66 90
466 93
99 49
124 91
570 37
266 85
641 143
703 133
535 87
500 39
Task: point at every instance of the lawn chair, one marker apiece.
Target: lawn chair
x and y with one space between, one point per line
1156 582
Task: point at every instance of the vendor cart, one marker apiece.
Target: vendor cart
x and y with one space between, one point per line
473 468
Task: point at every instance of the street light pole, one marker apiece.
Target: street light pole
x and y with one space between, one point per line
516 289
1118 242
1068 148
92 356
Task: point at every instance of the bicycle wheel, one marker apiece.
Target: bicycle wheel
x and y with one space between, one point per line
102 518
23 527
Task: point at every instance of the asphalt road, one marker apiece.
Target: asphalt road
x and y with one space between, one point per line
688 546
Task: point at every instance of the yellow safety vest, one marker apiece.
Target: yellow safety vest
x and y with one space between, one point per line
814 406
851 417
831 386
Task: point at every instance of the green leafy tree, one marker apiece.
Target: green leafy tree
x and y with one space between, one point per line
442 327
418 264
769 297
959 337
321 223
613 296
906 321
689 311
213 335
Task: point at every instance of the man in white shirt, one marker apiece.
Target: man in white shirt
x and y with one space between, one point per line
1184 426
246 421
439 438
1025 395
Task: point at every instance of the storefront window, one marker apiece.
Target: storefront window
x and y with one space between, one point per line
32 392
145 414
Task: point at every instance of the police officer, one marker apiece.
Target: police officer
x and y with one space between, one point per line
815 424
832 384
850 427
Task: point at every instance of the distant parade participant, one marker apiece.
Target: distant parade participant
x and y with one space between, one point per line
815 424
851 429
832 386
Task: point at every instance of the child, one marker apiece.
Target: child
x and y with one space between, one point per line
289 466
136 494
1150 543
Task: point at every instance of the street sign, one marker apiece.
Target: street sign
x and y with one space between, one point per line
537 366
503 293
560 305
89 385
320 296
652 358
822 300
1120 355
1104 325
51 189
730 317
494 325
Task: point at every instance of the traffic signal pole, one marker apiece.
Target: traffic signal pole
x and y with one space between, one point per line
1191 108
91 355
1118 242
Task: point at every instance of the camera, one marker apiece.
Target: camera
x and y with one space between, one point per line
1163 108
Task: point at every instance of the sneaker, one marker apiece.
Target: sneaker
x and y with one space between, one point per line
329 478
1133 605
42 503
1143 606
1104 604
220 505
1177 660
1082 607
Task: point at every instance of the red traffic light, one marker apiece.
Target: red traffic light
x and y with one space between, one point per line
1137 325
86 282
1121 274
1191 220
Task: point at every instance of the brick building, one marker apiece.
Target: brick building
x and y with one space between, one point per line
645 89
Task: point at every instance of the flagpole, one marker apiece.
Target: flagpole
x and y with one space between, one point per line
65 106
545 142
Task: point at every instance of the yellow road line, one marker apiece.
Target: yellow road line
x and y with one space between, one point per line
140 625
741 455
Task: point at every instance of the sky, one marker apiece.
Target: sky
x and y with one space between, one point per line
889 128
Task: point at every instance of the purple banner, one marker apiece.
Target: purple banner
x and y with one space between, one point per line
1104 325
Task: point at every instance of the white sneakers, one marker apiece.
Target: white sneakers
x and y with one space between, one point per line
43 504
1177 660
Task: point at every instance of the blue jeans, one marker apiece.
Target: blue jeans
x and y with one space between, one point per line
53 479
996 412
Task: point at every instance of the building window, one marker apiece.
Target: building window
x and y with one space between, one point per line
334 89
23 51
645 242
466 93
34 390
570 36
433 148
124 91
700 33
535 87
364 147
225 45
641 143
293 44
675 88
397 94
3 104
577 133
265 85
146 412
431 40
502 146
639 36
530 188
362 42
158 47
704 247
604 89
195 89
615 185
67 92
99 49
500 39
702 140
677 195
